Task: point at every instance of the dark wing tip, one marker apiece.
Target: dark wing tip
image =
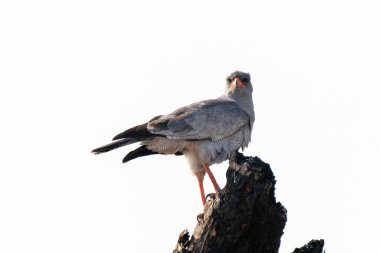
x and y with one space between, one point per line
117 137
138 132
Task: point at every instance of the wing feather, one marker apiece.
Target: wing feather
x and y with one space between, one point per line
209 119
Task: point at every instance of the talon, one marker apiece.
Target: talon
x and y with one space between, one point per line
211 196
200 217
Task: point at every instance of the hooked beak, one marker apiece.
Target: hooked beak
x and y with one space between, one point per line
237 82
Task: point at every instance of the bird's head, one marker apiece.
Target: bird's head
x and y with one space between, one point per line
239 84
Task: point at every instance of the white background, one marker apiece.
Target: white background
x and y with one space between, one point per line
75 73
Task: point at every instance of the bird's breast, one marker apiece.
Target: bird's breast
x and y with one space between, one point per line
217 151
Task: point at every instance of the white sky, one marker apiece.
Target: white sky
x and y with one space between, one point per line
75 73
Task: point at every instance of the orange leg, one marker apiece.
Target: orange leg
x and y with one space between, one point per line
211 176
200 182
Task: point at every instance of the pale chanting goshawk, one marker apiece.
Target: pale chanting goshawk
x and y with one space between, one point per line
205 132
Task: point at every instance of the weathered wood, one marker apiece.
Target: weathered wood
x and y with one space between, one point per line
314 246
243 217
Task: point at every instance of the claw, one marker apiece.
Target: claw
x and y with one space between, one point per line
200 217
211 196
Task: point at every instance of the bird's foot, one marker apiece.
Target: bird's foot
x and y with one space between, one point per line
212 196
200 217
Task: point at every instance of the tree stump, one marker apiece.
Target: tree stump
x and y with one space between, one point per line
243 217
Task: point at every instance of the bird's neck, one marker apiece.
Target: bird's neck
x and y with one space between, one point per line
247 106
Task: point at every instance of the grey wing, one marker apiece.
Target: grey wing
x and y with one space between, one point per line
210 119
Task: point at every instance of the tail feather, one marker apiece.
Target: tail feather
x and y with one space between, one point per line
141 151
129 136
112 146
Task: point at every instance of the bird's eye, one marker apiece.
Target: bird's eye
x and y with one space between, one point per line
229 80
245 80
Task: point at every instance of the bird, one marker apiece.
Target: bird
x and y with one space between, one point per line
206 132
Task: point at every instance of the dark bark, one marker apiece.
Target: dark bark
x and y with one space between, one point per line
314 246
243 217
